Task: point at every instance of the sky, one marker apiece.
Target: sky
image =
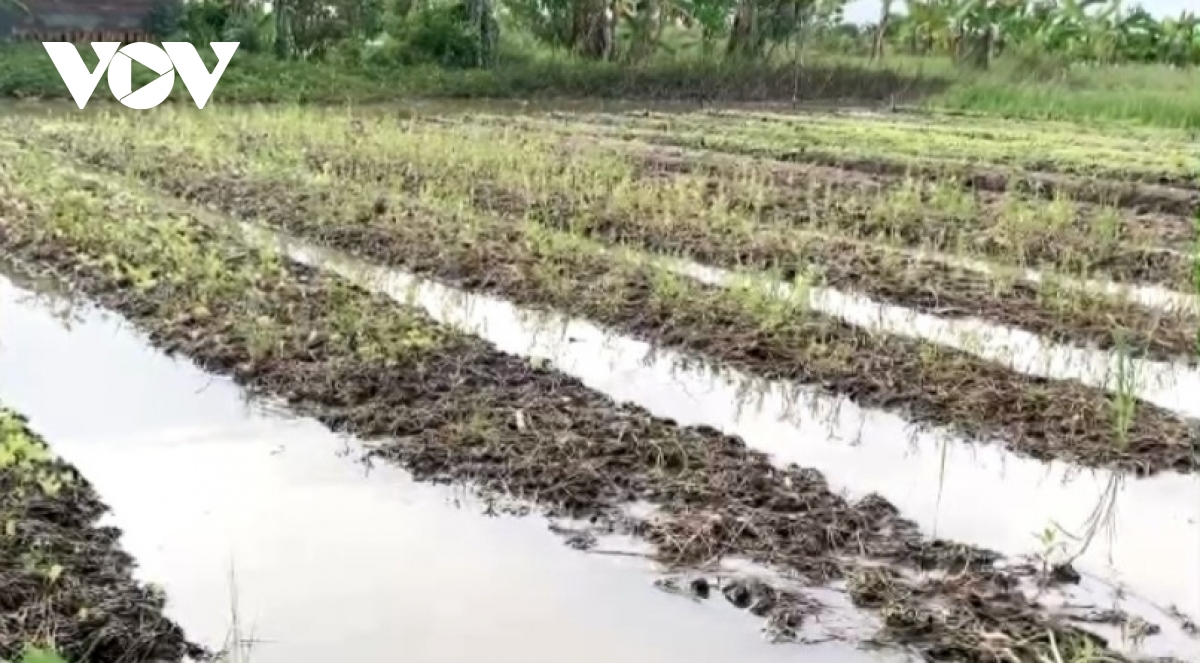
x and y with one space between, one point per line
867 11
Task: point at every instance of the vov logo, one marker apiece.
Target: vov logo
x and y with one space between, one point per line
178 56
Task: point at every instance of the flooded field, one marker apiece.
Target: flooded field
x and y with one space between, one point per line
939 400
237 510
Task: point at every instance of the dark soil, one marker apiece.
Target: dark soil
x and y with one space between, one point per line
1044 418
1142 248
461 411
1139 196
1128 192
65 579
925 285
1139 250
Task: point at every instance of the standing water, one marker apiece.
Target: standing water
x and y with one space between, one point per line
1141 534
251 519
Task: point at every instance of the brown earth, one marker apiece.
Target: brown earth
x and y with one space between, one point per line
461 411
1129 192
1044 418
64 577
924 285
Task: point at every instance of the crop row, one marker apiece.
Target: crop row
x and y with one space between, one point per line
540 265
452 408
1141 192
598 198
1167 160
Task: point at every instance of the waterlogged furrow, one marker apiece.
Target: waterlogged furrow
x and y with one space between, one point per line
925 469
929 286
199 480
451 407
745 326
934 215
67 585
1171 386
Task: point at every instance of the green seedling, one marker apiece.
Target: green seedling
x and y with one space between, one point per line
1196 271
1124 398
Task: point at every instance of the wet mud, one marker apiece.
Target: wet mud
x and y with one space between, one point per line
980 495
459 410
67 582
315 555
924 285
1043 417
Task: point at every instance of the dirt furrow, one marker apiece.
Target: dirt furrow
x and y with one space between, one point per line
65 580
928 383
924 285
452 408
1139 196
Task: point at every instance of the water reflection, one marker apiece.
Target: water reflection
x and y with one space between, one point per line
333 562
979 494
1169 385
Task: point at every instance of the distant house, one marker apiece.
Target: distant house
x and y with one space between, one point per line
76 20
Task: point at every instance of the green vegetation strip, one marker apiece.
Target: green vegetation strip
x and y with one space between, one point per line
934 214
535 266
38 655
599 197
452 408
1142 193
64 581
1170 159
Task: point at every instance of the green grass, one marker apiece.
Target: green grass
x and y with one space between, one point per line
37 655
26 71
1165 98
1151 94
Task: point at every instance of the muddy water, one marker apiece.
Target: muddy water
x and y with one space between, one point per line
1169 385
1150 296
227 504
1145 534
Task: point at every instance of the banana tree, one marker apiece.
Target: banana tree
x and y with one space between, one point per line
885 15
1141 37
1180 43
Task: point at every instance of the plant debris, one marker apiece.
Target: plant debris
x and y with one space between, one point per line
443 404
66 582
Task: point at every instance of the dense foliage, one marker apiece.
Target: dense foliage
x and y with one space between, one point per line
465 33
